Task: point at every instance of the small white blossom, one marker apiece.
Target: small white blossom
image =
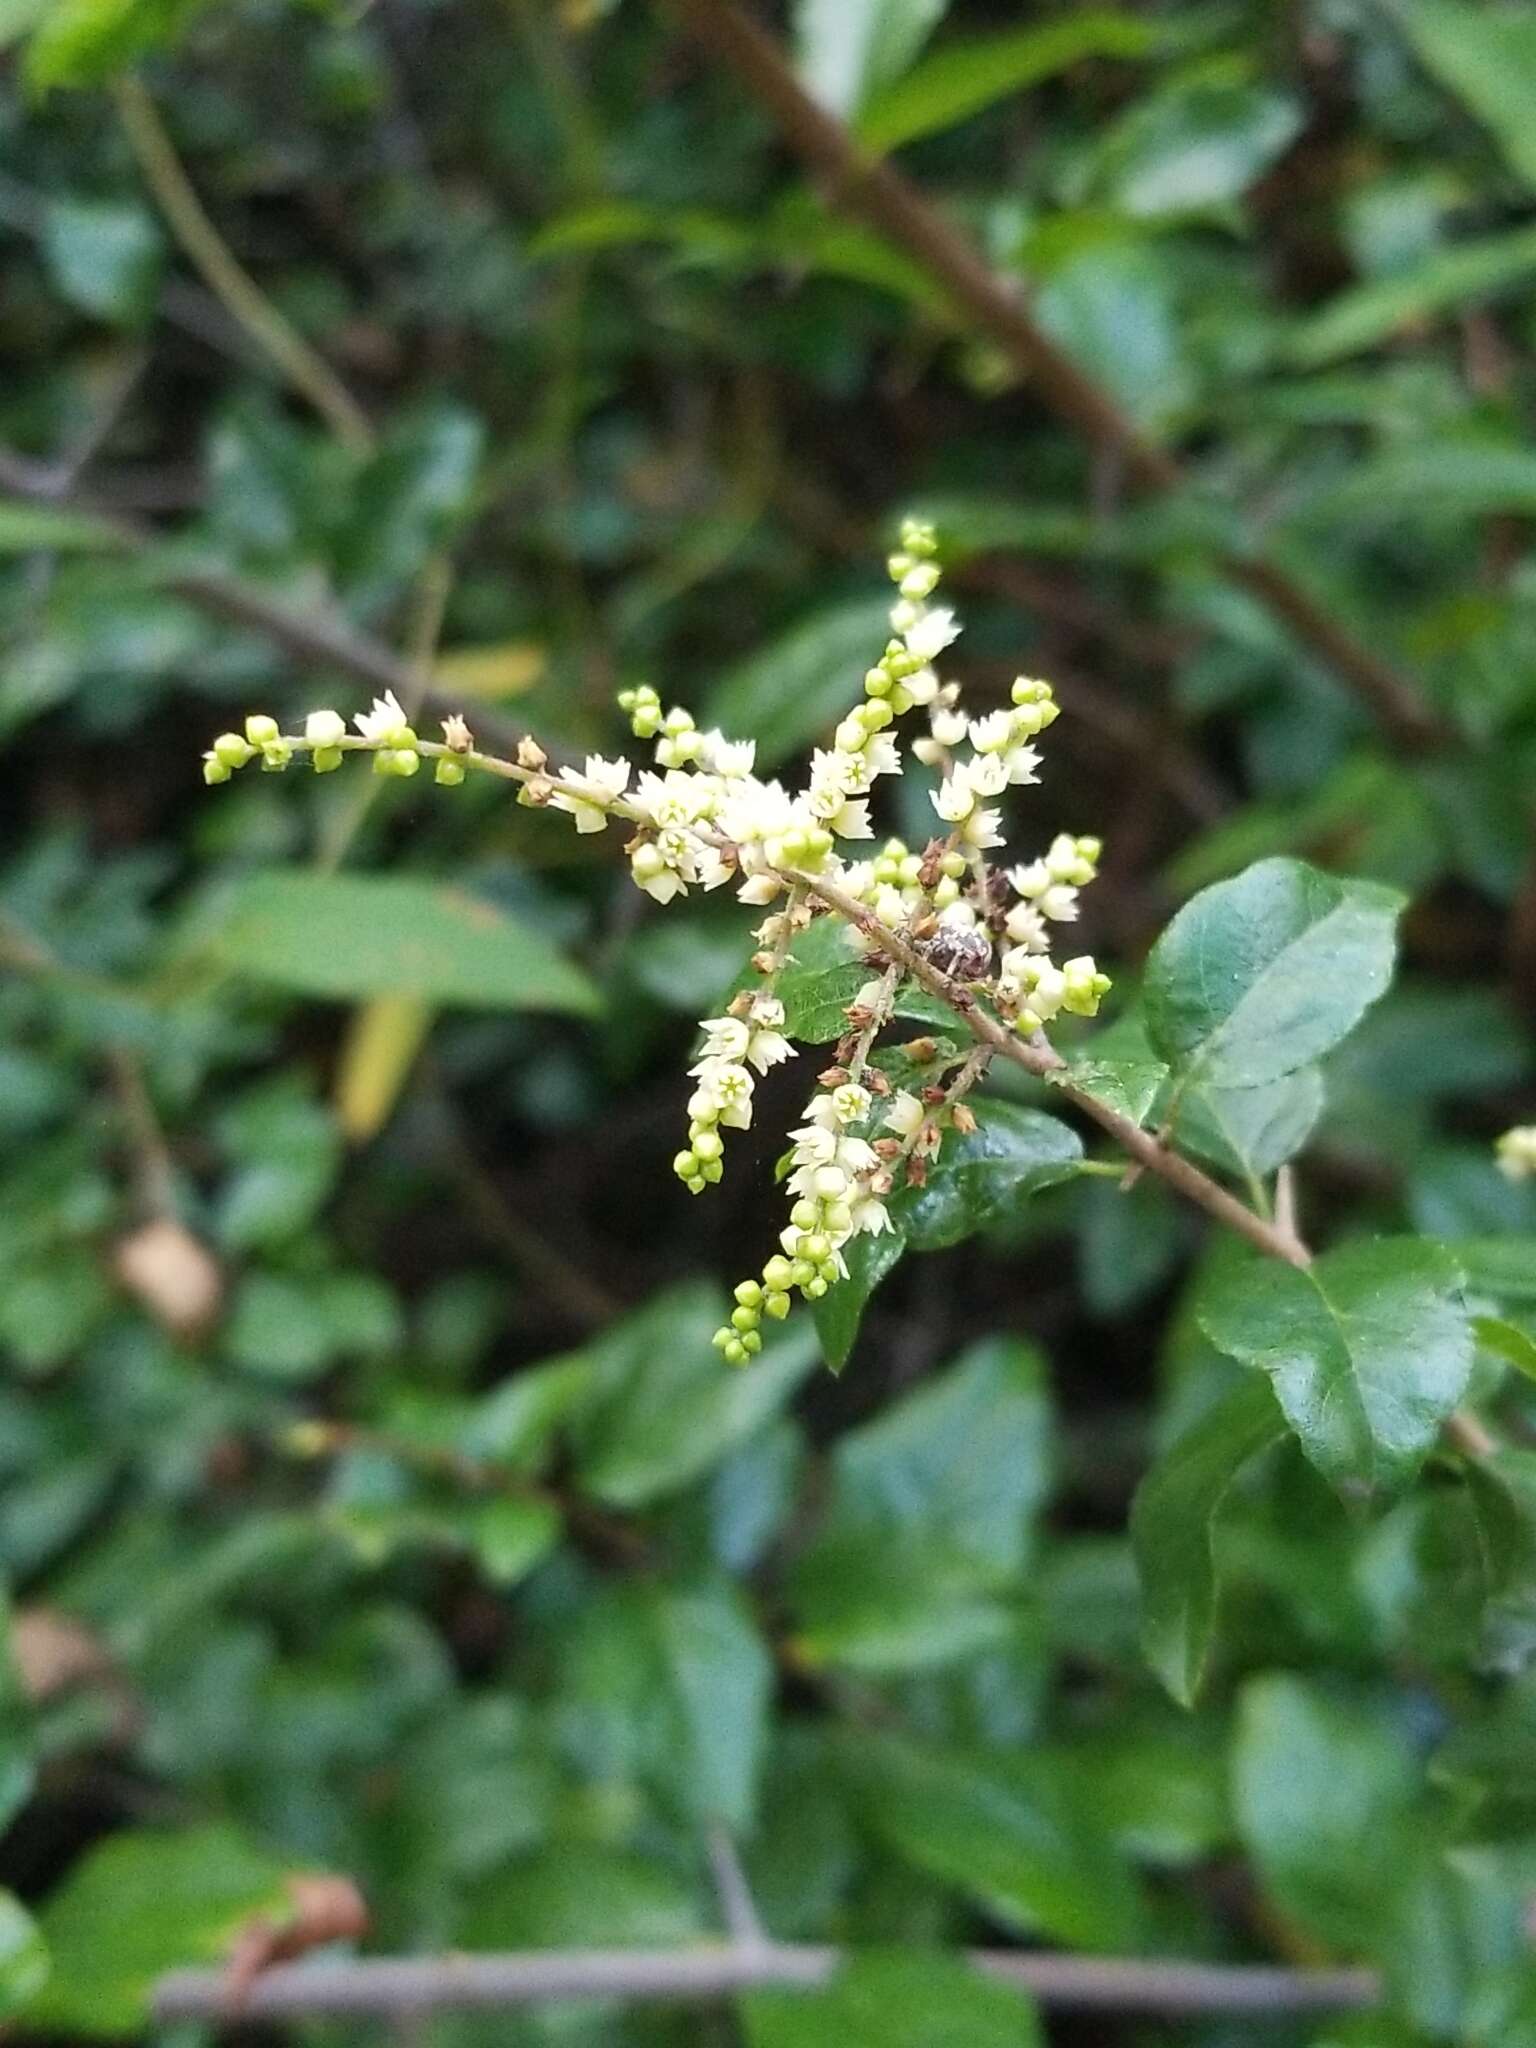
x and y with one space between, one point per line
905 1113
325 728
954 799
1517 1152
384 723
929 634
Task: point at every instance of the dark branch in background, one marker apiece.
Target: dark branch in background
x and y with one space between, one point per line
404 1987
880 195
323 639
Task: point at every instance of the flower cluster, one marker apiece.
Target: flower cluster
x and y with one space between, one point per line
1517 1152
702 818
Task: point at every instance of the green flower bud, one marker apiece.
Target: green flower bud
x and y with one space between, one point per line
749 1293
751 1342
215 771
777 1306
745 1318
448 772
232 750
735 1352
260 730
275 756
325 760
776 1274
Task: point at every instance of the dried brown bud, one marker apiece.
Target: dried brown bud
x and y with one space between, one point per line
963 1117
741 1003
530 754
926 926
536 793
763 962
921 1051
831 1077
876 1082
917 1172
880 1183
934 1094
887 1148
458 738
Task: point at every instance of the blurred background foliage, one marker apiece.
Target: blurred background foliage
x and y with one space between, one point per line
370 1498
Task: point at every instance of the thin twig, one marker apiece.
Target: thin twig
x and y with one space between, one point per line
737 1907
483 1983
227 278
874 191
1043 1061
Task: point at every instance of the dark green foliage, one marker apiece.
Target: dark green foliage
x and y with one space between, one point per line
394 1516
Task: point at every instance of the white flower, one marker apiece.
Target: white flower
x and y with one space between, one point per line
325 728
954 799
948 727
1517 1152
905 1113
983 829
991 734
725 1038
731 759
922 686
1021 763
1026 927
929 634
724 1094
590 794
987 774
870 1215
384 723
850 1103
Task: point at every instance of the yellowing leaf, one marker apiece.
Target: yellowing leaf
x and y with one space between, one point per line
383 1040
506 670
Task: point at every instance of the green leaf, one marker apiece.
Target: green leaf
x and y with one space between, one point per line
1263 974
137 1905
1507 1341
1436 479
17 17
24 1961
661 1409
930 1520
1130 1086
819 980
1006 1831
1251 1131
581 1894
838 1314
718 1678
81 42
669 1686
894 2001
801 683
25 528
1104 293
1324 1794
1450 278
845 49
1487 57
411 497
964 77
104 258
346 936
1198 143
511 1536
979 1175
1174 1519
1368 1350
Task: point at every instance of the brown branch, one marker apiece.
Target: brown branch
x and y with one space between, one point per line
391 1986
1043 1061
877 193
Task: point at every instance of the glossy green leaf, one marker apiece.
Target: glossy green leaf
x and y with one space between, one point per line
1263 974
1174 1521
511 1536
346 936
1486 56
1005 1831
819 980
718 1677
81 42
1368 1350
1368 314
847 49
139 1904
1507 1341
895 2001
931 1516
840 1311
1102 291
582 1894
1437 481
104 258
1251 1131
1324 1793
1129 1085
24 1960
1198 143
980 1175
962 78
800 684
660 1408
